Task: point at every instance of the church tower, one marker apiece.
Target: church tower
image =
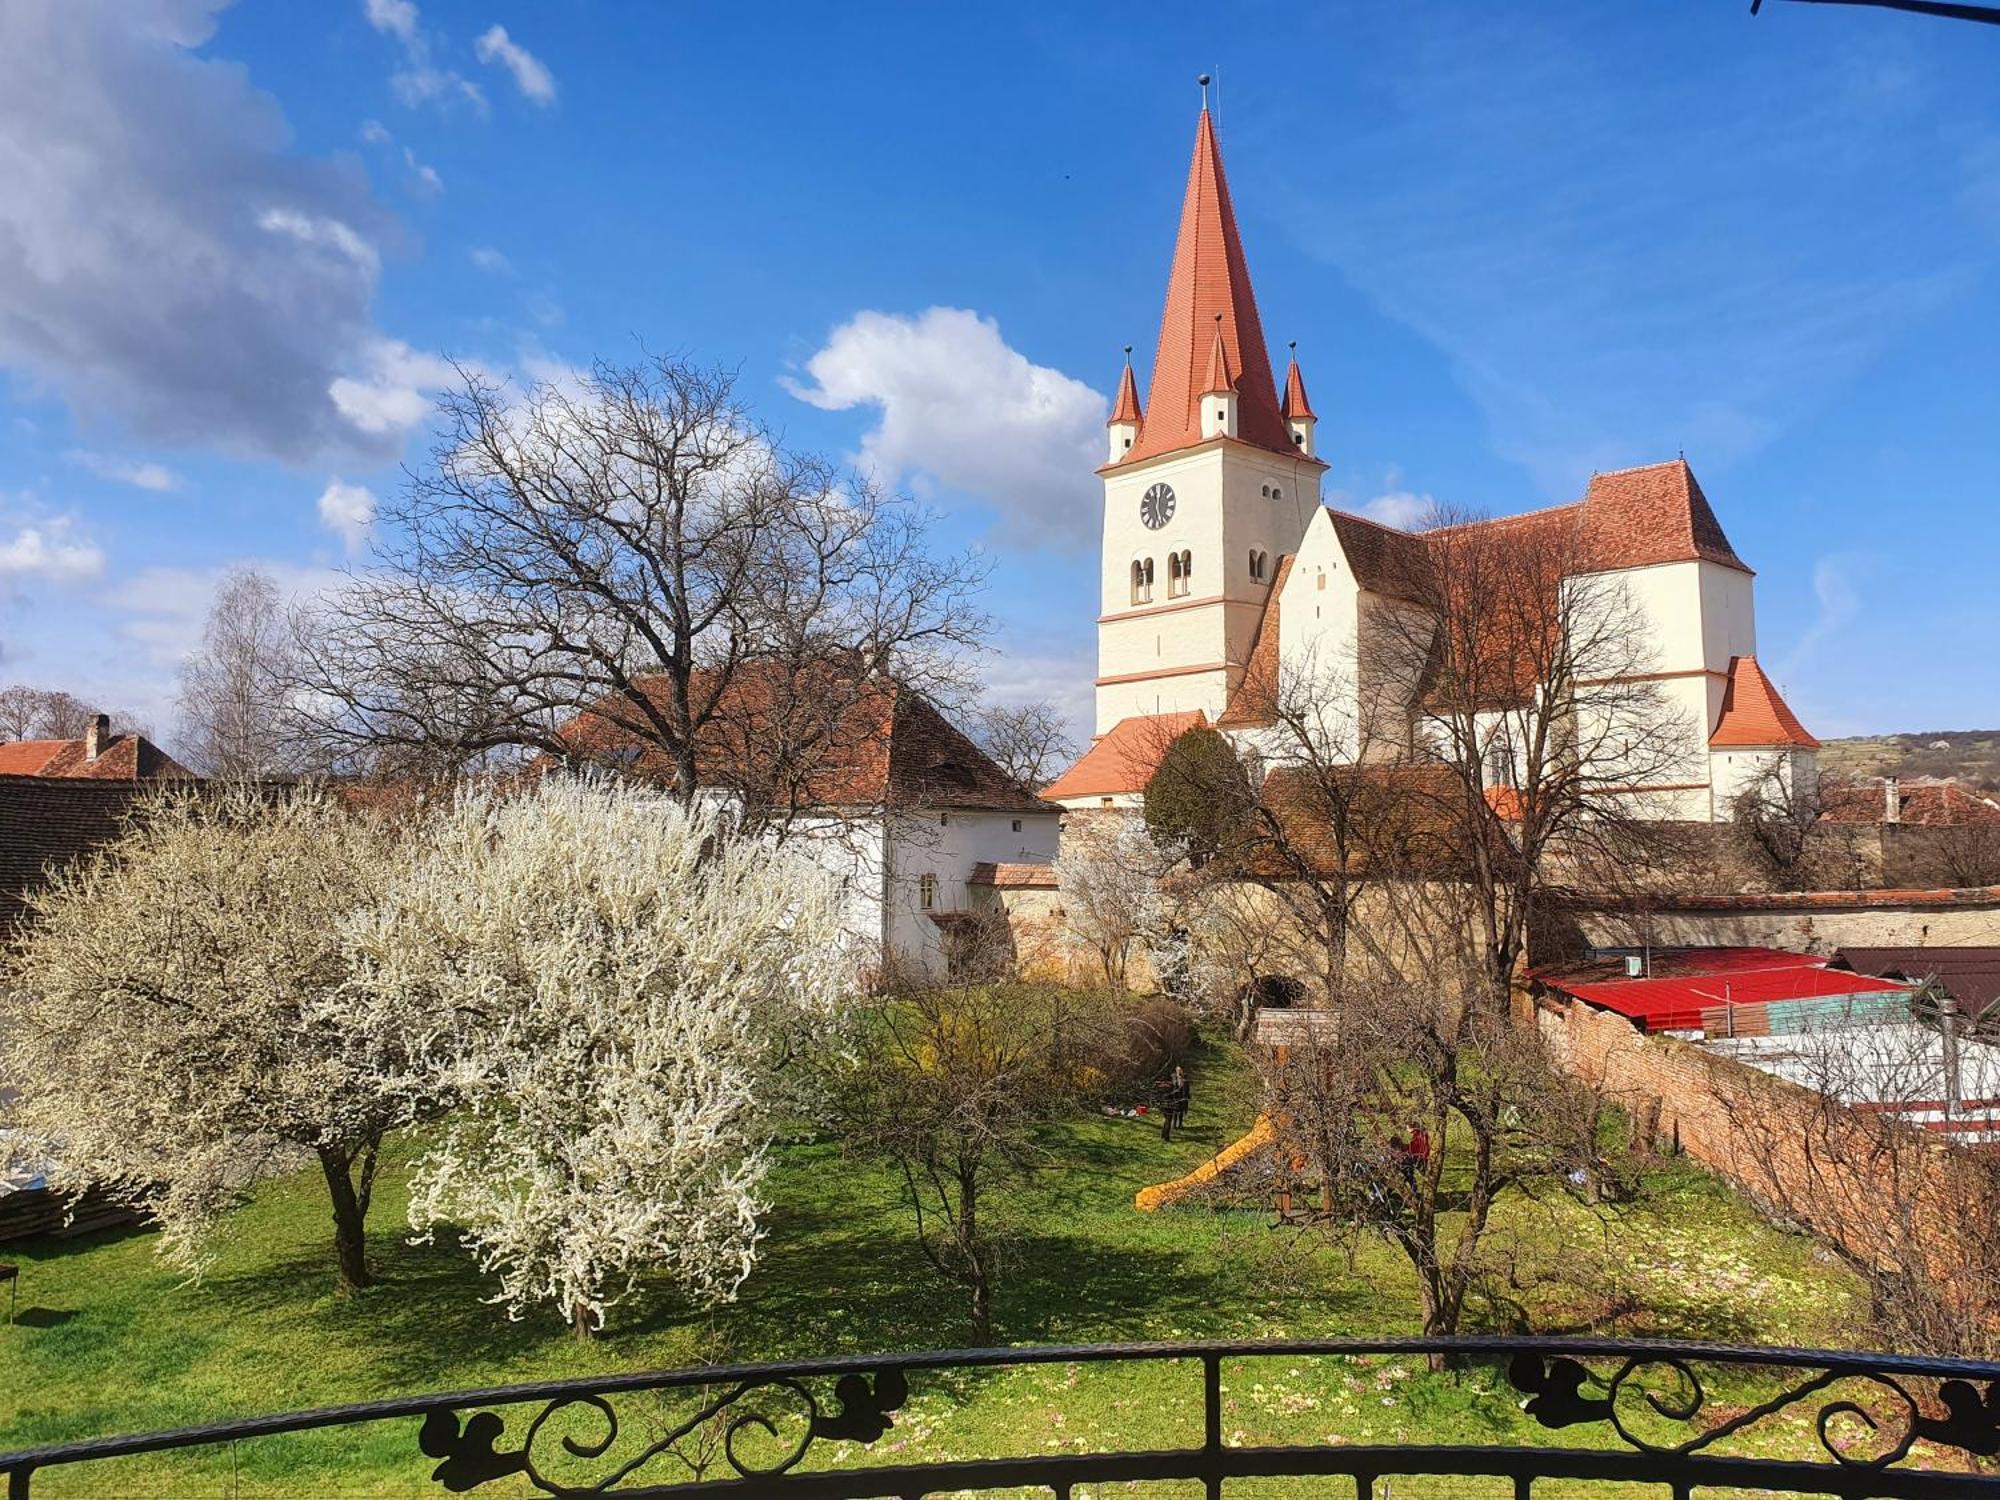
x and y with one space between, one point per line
1206 485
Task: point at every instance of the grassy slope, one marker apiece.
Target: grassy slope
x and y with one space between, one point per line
1972 755
110 1341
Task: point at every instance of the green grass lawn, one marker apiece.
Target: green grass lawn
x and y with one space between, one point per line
111 1341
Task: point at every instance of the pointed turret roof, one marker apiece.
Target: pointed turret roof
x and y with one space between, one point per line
1295 405
1753 714
1209 277
1221 381
1126 407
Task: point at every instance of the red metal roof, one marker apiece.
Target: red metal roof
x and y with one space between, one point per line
1701 979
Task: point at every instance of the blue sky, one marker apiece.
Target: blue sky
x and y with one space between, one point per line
1513 243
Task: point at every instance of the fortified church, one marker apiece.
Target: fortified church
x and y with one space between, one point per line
1223 574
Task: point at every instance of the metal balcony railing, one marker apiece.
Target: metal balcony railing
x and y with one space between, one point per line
1877 1425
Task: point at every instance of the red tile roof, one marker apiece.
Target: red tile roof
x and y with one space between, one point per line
1926 802
1255 700
1124 760
1220 381
887 746
1753 714
1126 407
1295 404
1209 277
1013 875
125 757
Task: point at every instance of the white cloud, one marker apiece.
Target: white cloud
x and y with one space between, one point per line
50 550
531 75
375 133
487 259
394 395
424 175
420 80
349 510
163 609
1401 509
1838 594
140 475
170 263
960 411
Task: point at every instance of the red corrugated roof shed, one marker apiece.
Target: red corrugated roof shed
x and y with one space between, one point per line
1687 981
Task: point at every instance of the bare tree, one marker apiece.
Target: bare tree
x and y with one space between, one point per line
1109 873
1029 741
1837 1140
632 545
234 719
29 713
1533 690
951 1086
1498 1116
1780 827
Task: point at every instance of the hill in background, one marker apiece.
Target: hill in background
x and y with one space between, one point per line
1970 755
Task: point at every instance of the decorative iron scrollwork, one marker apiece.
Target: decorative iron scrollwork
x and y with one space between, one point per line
1556 1399
469 1456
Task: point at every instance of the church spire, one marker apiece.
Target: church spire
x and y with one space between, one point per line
1126 407
1209 301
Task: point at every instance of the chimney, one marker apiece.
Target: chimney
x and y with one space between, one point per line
97 736
1892 800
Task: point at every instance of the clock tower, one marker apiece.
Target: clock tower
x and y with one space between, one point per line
1206 485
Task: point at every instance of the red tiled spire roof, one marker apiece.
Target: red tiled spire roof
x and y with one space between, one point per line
1209 277
1220 379
1754 714
1295 404
1126 407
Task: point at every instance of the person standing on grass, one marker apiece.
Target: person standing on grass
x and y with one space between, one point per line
1417 1155
1179 1096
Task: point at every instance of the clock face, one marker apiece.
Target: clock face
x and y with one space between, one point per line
1156 506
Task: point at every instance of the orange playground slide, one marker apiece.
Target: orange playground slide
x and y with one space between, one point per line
1160 1194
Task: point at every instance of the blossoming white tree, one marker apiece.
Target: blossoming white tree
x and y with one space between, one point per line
1109 873
608 983
172 1020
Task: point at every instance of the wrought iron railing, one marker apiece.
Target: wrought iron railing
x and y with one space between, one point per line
1877 1425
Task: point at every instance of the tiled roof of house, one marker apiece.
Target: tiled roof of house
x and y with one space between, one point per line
1209 277
1255 700
886 747
125 757
1395 564
1753 714
1013 875
50 821
1929 803
1124 760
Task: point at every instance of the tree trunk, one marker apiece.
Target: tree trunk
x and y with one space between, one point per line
350 1238
582 1322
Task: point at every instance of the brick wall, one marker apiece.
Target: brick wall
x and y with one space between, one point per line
1885 1192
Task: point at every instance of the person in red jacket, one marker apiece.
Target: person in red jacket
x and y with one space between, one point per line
1417 1154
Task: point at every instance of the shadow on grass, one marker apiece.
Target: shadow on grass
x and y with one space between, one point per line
43 1317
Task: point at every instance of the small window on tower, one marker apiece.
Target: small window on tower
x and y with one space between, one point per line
1276 493
1017 825
927 891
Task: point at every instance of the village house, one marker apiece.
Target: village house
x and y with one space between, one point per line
1224 577
887 795
99 755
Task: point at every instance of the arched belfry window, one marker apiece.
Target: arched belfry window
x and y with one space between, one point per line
1179 565
1142 580
1260 563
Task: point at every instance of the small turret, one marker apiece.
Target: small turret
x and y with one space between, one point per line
1219 393
1125 413
1296 410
